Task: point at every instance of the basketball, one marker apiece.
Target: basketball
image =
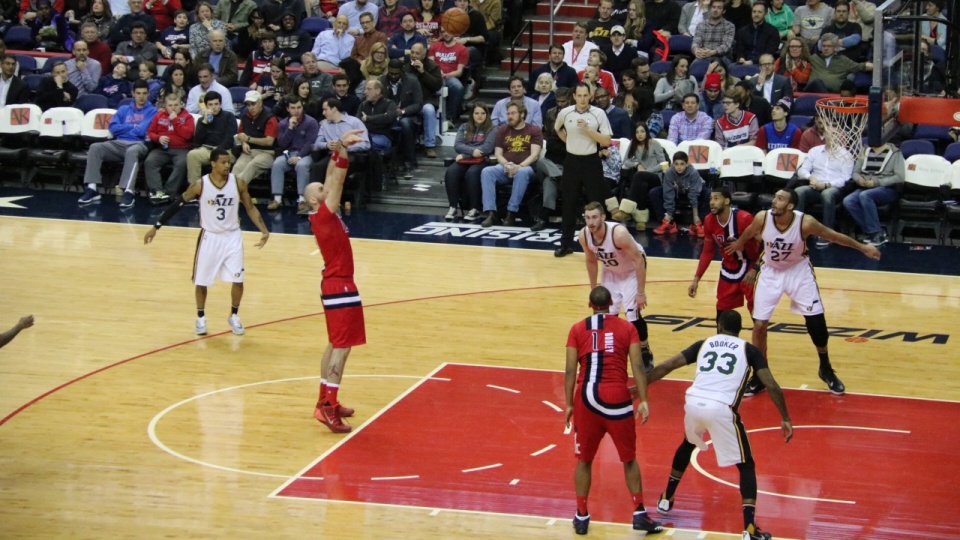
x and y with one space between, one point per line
455 21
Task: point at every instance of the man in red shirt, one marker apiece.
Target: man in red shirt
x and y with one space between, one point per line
172 133
99 50
737 274
338 292
602 403
452 57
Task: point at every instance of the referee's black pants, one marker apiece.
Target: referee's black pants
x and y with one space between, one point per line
581 174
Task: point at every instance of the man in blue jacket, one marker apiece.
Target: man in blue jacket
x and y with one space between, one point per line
297 133
129 129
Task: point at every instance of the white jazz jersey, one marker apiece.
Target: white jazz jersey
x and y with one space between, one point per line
619 273
782 250
220 208
722 369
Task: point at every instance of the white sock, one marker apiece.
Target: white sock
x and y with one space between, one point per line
92 186
300 199
278 198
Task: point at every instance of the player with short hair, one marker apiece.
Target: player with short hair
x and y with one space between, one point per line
220 246
737 275
338 292
723 363
624 270
785 268
599 401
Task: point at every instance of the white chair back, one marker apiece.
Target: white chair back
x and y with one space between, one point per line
704 155
668 147
61 122
624 145
96 123
928 170
783 162
742 160
955 179
19 119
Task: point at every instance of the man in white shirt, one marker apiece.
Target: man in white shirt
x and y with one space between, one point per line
206 77
827 173
576 52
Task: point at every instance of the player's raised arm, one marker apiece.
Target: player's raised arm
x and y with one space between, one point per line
190 194
253 212
337 168
810 226
752 231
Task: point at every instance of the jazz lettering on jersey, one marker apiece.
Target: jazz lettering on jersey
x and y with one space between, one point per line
220 200
779 250
608 259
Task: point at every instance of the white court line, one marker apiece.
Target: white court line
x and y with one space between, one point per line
552 406
436 512
494 514
551 522
515 481
803 387
696 464
504 388
544 450
566 430
353 433
703 534
410 477
485 467
152 426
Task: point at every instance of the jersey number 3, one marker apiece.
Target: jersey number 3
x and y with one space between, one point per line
727 360
221 214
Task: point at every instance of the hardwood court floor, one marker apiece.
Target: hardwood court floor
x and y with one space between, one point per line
80 457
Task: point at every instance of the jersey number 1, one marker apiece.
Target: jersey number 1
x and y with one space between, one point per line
727 368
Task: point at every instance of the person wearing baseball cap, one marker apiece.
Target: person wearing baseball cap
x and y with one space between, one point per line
779 133
620 54
255 137
711 99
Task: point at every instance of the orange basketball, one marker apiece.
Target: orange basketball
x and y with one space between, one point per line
455 21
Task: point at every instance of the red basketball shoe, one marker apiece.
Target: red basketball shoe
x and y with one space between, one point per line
344 412
329 415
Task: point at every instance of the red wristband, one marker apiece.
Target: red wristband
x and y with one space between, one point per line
341 162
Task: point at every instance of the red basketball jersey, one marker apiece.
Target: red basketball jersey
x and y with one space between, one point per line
734 266
603 346
334 241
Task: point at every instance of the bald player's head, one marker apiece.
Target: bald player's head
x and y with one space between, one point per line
314 194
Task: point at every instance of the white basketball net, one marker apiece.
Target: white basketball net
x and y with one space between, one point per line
842 126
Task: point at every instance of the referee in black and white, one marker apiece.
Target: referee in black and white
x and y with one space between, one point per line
585 129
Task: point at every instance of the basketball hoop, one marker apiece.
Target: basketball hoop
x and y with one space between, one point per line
844 120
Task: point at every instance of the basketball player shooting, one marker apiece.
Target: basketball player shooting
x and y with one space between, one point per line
338 292
220 247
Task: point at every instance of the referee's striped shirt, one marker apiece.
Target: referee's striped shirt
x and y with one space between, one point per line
579 144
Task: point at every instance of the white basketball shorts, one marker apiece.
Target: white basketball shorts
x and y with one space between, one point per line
218 255
726 432
798 282
623 288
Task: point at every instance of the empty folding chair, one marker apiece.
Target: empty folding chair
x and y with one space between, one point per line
742 168
921 203
59 130
19 127
779 167
916 146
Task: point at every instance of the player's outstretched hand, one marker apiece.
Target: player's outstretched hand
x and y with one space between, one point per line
351 137
147 238
25 322
641 300
568 416
643 410
787 429
872 252
263 240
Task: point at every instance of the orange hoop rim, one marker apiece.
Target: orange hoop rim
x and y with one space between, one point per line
844 105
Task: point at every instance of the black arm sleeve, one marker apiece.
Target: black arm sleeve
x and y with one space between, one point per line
755 357
170 211
690 353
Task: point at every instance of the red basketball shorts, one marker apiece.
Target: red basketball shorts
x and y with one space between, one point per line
344 312
590 427
732 295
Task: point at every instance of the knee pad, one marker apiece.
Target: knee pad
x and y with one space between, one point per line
817 328
682 456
